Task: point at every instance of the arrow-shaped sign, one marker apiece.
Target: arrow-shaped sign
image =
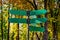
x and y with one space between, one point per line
38 12
17 20
21 20
38 20
40 29
18 12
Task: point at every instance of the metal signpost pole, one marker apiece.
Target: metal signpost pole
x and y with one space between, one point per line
28 21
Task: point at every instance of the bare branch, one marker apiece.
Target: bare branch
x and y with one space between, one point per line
30 3
35 6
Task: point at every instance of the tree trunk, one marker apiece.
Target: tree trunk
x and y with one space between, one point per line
55 33
45 34
1 21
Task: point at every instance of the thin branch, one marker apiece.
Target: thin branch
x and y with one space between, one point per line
30 3
35 6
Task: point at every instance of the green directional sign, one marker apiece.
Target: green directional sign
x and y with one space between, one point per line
18 12
38 12
21 20
17 20
23 12
38 20
40 29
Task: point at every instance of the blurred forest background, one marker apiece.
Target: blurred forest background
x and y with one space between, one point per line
15 31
